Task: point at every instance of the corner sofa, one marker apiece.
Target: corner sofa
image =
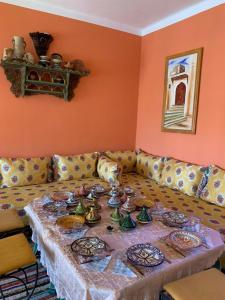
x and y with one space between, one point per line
177 185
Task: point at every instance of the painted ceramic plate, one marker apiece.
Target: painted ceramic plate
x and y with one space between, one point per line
145 255
53 206
61 196
99 188
184 240
70 222
174 218
88 246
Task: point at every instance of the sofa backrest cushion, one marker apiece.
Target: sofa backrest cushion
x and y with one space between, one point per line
24 171
109 170
149 165
75 166
127 159
182 176
214 191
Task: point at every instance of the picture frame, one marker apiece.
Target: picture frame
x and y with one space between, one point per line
181 91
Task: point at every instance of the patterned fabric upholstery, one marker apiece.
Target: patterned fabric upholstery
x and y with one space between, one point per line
109 170
210 214
75 166
214 191
182 176
150 166
23 171
127 159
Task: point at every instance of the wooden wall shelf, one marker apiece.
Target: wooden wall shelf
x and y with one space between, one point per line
31 79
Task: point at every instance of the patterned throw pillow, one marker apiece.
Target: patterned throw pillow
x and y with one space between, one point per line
75 166
214 191
109 170
127 159
149 166
182 176
24 171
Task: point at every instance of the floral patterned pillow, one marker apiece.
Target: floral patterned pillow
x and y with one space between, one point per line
149 166
182 176
214 191
109 170
75 166
24 171
127 159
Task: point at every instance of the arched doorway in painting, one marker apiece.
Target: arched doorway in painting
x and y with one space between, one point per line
180 94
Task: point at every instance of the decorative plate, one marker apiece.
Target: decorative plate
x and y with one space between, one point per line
61 196
72 201
184 240
99 188
129 191
174 218
70 222
145 255
53 206
88 246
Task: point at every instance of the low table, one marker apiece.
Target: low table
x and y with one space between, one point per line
110 278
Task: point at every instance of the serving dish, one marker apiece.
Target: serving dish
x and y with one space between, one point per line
184 240
70 223
145 255
88 246
139 203
61 196
174 218
54 207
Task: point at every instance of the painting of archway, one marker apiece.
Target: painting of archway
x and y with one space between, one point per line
180 94
181 91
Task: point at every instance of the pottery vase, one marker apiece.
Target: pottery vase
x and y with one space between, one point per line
41 41
19 46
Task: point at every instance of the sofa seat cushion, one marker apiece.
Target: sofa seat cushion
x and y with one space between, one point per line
210 214
19 197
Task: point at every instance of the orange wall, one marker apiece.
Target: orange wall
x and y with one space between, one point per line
95 119
208 144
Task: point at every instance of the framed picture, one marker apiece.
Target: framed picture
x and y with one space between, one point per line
181 90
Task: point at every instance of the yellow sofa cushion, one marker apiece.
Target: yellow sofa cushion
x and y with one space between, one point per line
149 166
214 191
109 170
15 252
75 166
9 220
182 176
24 171
127 159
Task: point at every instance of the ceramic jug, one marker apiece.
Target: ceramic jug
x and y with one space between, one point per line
19 46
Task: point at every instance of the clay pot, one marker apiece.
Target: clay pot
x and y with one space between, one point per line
19 46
